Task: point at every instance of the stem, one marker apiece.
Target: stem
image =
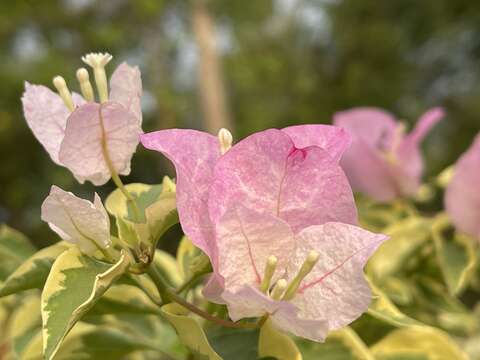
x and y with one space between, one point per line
159 282
170 295
225 323
116 179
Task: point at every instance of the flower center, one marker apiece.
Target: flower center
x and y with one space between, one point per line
390 155
98 61
282 290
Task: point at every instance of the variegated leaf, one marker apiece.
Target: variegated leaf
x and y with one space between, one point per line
74 285
15 248
34 271
273 343
189 330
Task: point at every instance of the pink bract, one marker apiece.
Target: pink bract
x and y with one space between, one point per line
462 198
334 293
281 193
383 162
75 139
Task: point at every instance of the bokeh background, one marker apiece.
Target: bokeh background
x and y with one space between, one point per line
248 65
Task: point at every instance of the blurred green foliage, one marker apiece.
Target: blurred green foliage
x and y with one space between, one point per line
284 62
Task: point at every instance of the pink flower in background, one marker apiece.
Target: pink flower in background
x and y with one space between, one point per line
462 196
384 162
277 194
81 134
76 220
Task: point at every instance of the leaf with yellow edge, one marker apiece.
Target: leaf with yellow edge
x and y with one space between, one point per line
15 248
189 330
273 343
418 341
34 271
121 299
73 286
144 195
157 212
167 265
25 324
456 255
186 252
383 309
352 341
406 236
87 341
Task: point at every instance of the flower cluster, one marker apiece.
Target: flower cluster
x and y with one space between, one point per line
91 139
274 213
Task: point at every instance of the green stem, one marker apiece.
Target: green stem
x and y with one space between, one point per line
159 282
222 322
169 295
116 179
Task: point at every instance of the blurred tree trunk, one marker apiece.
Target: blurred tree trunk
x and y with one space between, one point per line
210 80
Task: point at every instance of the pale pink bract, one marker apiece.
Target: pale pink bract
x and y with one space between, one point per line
462 198
75 139
383 162
76 220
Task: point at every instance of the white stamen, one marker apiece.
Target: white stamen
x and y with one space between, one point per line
270 267
61 86
225 139
85 86
98 61
279 289
307 267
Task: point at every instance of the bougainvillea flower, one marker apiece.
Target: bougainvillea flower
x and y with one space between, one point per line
384 162
317 283
90 139
195 155
462 198
76 220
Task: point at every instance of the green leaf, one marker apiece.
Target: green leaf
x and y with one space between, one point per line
405 238
351 340
456 256
98 342
234 344
144 195
158 212
162 214
15 248
331 349
74 285
420 341
189 330
275 344
186 253
121 299
167 265
87 341
34 271
383 309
